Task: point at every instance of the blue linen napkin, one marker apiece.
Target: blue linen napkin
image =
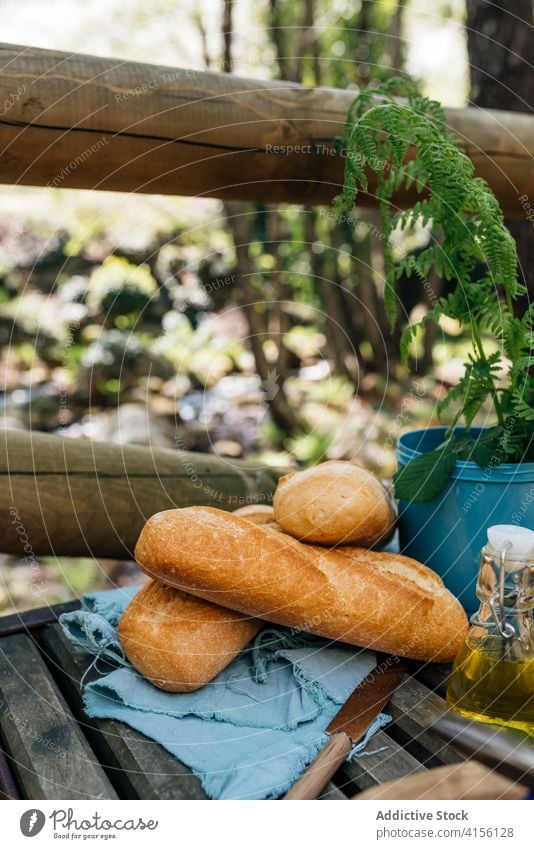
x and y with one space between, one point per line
248 734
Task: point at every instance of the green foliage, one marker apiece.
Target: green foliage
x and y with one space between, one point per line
119 288
468 234
309 448
425 477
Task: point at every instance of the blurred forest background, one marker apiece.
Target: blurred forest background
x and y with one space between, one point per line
215 327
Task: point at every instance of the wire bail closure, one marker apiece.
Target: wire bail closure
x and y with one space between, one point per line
496 601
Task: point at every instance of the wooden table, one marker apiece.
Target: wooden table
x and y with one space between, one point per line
51 750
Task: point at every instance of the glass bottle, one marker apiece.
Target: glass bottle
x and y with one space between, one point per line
492 679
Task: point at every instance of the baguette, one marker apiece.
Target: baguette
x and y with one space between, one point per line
179 642
373 599
260 514
334 503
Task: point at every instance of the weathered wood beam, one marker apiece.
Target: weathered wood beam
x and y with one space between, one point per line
77 121
75 497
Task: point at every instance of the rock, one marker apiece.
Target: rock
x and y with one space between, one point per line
227 448
450 372
132 424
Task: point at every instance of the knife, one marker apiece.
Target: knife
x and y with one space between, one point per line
492 745
350 724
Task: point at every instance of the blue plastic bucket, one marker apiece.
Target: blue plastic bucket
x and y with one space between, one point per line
448 532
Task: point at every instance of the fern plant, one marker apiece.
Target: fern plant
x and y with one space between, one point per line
406 144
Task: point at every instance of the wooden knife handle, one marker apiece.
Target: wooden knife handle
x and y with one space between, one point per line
318 774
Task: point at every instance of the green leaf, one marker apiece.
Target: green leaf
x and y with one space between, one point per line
485 454
524 410
425 477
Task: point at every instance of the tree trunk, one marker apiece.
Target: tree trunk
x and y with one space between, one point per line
273 383
337 325
227 32
272 375
501 57
277 34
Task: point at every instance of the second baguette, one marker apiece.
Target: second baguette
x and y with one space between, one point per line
179 642
387 602
259 514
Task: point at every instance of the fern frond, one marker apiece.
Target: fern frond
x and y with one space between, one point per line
407 144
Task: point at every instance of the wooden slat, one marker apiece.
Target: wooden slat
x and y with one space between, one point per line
49 754
70 497
435 676
414 708
140 768
371 769
8 787
30 620
331 792
149 771
94 123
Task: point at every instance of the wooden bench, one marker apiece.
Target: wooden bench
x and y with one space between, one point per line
51 750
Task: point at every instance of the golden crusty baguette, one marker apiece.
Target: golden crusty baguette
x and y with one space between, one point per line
273 526
334 503
387 602
260 514
180 642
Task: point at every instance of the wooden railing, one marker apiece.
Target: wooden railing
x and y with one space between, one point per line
75 121
74 497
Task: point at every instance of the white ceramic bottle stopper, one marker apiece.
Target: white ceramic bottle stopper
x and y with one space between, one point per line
515 541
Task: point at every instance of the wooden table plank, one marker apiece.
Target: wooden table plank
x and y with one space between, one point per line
372 769
435 676
140 768
8 787
332 791
149 769
130 759
30 620
414 708
49 755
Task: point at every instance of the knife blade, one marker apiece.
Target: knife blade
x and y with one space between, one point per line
350 724
494 746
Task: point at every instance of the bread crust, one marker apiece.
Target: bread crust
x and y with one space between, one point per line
372 599
260 514
179 642
334 503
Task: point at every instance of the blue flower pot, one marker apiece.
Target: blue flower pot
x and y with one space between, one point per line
448 532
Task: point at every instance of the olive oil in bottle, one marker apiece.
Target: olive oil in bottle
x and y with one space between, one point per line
487 686
492 679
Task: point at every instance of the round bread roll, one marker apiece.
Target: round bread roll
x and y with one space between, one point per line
260 514
334 503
